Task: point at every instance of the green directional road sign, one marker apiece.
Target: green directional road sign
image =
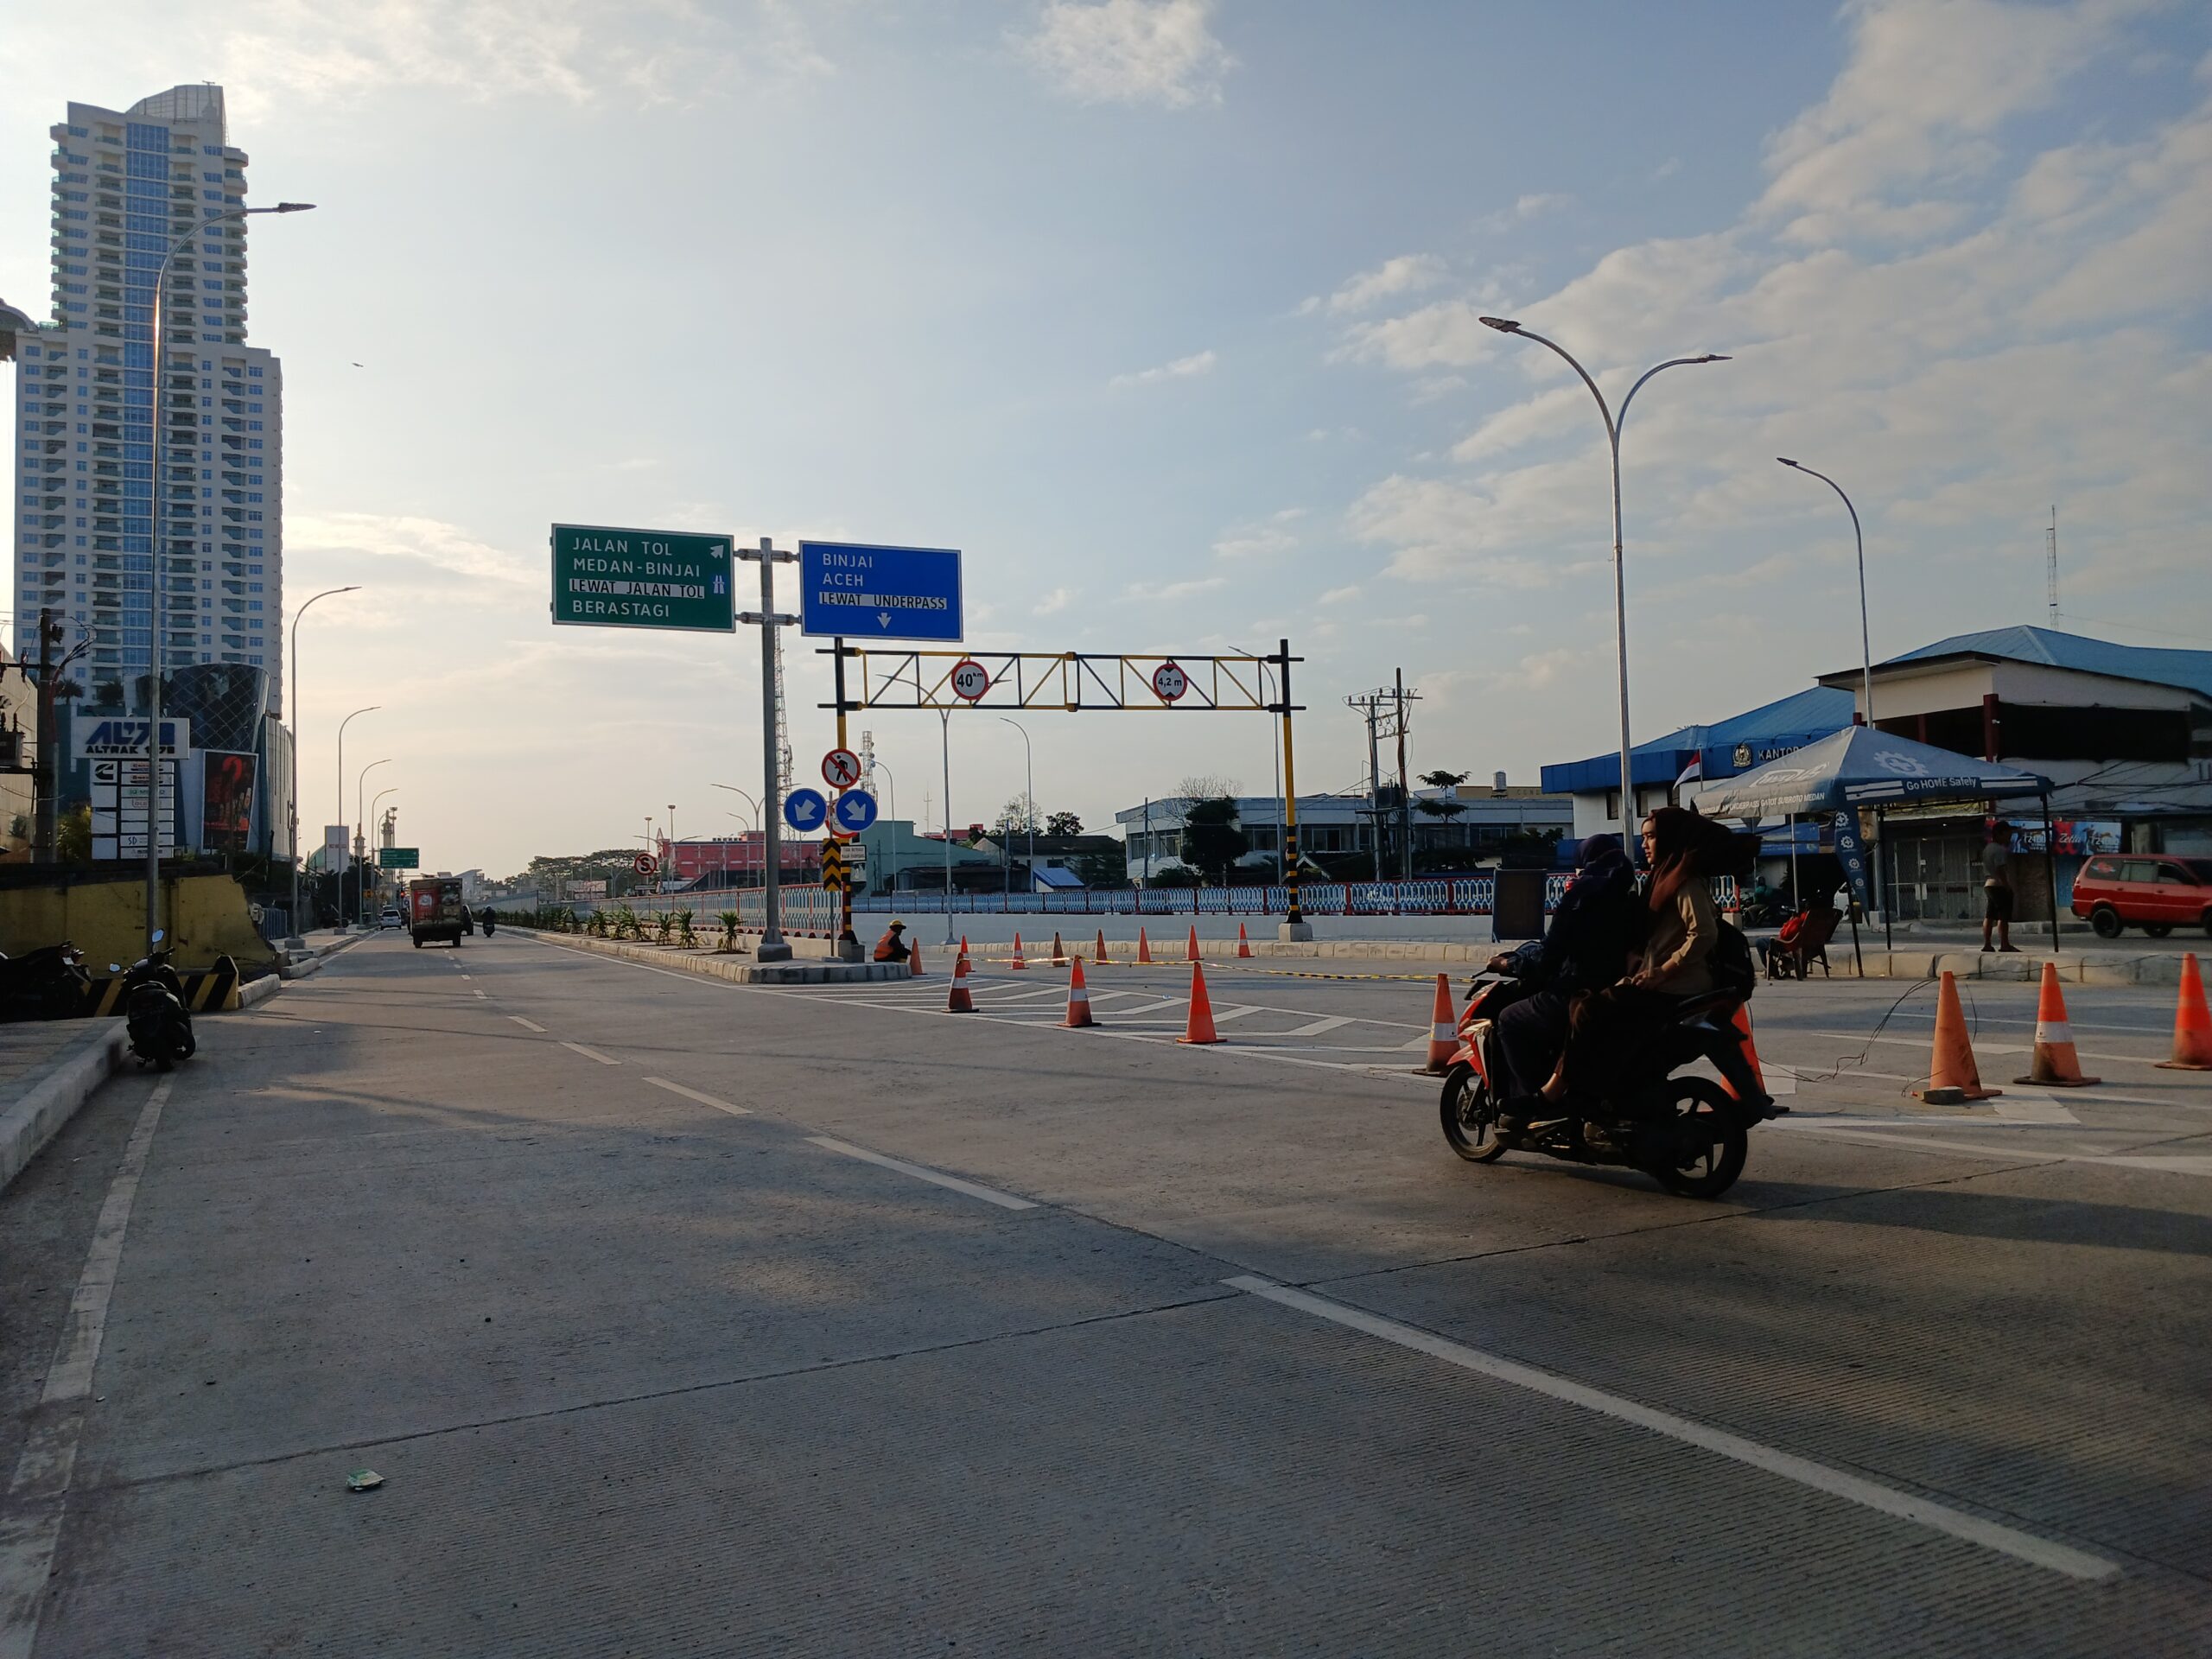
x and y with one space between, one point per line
641 579
399 858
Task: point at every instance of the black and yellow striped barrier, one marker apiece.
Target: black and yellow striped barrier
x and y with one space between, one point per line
211 990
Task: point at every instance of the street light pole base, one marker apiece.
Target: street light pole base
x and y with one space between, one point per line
778 951
1295 932
849 948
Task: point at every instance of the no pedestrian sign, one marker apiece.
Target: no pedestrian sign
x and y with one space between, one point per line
606 578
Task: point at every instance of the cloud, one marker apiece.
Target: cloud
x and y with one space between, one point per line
1181 368
1269 538
1445 334
1408 273
1054 603
1130 51
1146 590
1343 596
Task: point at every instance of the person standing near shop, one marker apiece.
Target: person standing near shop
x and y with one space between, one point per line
1997 888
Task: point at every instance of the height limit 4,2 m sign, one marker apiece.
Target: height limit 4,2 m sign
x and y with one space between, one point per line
641 579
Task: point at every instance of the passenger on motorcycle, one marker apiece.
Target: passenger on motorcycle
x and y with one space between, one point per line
1585 948
1610 1027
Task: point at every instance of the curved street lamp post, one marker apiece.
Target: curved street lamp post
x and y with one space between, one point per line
297 941
1614 420
159 615
361 864
338 892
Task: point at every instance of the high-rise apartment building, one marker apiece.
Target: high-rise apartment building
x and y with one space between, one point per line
199 551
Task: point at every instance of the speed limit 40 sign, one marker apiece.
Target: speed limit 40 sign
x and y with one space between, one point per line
969 680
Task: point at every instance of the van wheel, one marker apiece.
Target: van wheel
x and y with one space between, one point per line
2157 930
2105 922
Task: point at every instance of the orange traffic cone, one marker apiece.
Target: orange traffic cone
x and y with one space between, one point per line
1017 965
1144 947
1243 944
963 945
1201 1029
1953 1079
1193 954
1102 956
960 1002
1443 1030
914 962
2054 1063
2192 1024
1059 954
1078 998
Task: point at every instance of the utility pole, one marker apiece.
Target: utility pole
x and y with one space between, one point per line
2051 557
1384 710
46 816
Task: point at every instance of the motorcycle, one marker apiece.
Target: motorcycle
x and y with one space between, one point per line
1688 1133
49 983
159 1023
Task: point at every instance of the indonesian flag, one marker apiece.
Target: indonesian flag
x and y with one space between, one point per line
1693 773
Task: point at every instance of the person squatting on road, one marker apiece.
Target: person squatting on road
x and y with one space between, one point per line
1608 1027
1585 948
891 947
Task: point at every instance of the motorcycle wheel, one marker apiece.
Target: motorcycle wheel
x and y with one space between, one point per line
1708 1136
187 1045
1469 1119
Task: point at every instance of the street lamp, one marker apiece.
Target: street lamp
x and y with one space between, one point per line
338 893
159 618
295 941
361 828
1614 422
1028 795
891 797
1866 644
373 806
749 798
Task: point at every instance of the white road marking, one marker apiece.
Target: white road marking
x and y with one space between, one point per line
2169 1164
1221 1016
464 976
591 1053
990 1195
2016 1106
38 1495
1314 1028
704 1100
1980 1046
1836 1483
480 994
531 1025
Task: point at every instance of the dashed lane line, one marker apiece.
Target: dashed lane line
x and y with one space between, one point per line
988 1194
590 1054
38 1495
704 1100
1836 1483
527 1025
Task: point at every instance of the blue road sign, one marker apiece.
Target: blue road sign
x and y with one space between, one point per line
804 809
879 592
855 810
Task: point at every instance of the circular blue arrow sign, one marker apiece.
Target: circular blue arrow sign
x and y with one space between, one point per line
855 810
804 809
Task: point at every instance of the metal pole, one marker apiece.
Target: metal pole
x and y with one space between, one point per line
1295 924
944 734
362 835
849 944
1613 425
297 857
1028 795
773 947
2050 869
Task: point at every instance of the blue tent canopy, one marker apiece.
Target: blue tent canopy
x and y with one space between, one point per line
1861 766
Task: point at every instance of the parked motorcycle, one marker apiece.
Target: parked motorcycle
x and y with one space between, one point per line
159 1023
1688 1133
49 983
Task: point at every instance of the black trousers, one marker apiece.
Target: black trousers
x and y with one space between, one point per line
1530 1035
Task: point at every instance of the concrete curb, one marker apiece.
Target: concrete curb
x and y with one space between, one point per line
37 1116
730 968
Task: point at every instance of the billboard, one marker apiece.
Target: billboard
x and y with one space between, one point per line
120 735
226 801
334 846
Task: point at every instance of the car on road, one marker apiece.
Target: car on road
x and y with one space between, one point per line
391 917
2156 893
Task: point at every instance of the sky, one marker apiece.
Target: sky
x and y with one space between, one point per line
1164 313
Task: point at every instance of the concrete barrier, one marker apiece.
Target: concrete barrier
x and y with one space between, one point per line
35 1116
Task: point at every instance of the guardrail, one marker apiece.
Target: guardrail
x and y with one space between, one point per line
812 912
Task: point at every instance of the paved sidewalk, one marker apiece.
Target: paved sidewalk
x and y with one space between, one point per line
48 1068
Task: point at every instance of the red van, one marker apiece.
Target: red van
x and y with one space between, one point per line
2156 893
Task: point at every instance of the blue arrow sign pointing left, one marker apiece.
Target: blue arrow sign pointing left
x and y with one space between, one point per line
804 809
855 810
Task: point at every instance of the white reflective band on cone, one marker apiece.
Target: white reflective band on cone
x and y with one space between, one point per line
2054 1030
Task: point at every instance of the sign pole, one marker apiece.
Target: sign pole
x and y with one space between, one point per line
849 944
772 946
1294 926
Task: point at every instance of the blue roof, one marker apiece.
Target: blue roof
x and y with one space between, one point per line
1771 729
2153 664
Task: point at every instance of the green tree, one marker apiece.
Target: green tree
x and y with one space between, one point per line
1173 875
1211 840
1064 823
72 835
